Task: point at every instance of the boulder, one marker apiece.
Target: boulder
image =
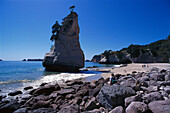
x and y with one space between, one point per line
65 91
69 96
6 100
64 105
15 93
101 81
157 76
82 92
10 107
163 93
143 83
2 96
54 106
142 79
160 106
59 102
53 95
91 104
167 89
42 110
94 111
43 84
165 83
137 107
21 110
152 89
32 91
114 95
66 54
118 109
41 104
77 100
58 98
163 71
74 82
128 100
27 88
95 91
74 108
26 96
129 82
46 89
167 77
76 87
42 97
152 97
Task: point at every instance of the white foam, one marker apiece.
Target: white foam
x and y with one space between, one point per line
117 66
59 78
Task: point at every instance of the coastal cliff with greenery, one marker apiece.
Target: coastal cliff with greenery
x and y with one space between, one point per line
158 51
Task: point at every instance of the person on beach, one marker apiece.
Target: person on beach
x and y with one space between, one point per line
112 79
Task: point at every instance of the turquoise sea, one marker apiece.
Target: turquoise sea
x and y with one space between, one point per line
15 75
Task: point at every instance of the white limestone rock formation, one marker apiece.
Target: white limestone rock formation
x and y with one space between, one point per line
66 55
145 57
111 59
96 58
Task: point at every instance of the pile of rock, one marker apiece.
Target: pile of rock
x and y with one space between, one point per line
76 95
134 93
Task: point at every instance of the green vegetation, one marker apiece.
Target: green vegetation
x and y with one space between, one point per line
55 30
72 8
159 49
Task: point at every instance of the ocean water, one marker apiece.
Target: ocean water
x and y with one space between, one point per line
15 75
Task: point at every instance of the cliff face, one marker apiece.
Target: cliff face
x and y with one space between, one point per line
111 59
145 58
157 52
66 55
124 57
96 58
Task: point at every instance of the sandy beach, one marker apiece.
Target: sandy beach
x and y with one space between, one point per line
133 67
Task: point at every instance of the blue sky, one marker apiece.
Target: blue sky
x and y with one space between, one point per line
25 25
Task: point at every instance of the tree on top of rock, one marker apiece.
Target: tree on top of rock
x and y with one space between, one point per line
55 30
72 8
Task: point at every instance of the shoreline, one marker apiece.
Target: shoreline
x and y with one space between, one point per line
90 95
130 68
60 78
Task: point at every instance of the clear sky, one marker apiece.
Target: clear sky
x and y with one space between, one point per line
25 25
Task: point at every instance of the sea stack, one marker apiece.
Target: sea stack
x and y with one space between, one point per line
66 55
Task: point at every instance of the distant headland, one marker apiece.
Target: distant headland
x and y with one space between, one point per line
32 60
156 52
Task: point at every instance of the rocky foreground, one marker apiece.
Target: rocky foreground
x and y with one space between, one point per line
141 92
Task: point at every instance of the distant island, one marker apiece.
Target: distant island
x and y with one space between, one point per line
156 52
0 59
32 60
87 60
